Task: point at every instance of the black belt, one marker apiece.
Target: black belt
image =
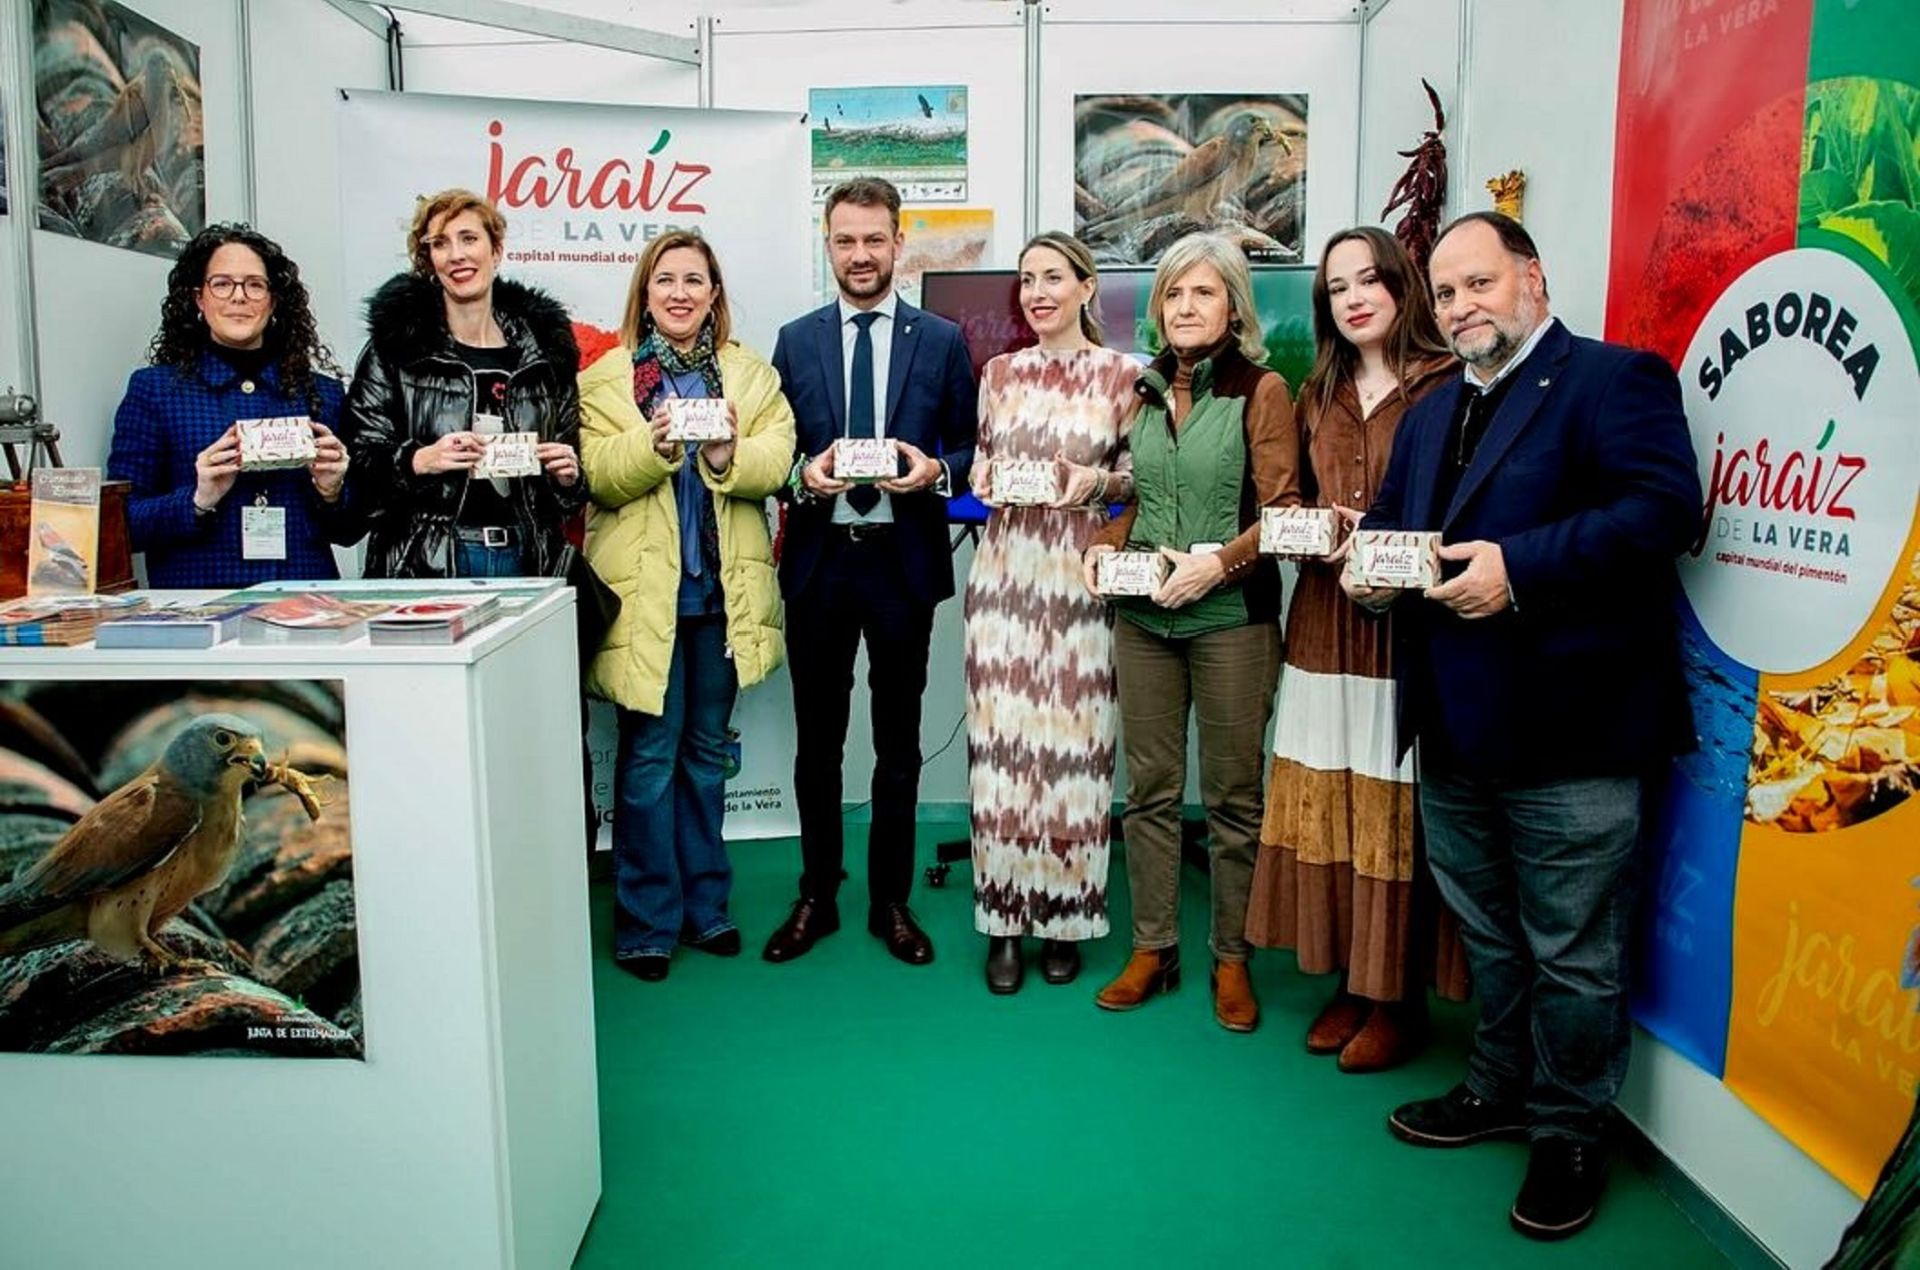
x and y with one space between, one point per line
862 529
488 535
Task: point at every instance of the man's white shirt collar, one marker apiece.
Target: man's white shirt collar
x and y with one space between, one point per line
1513 363
885 308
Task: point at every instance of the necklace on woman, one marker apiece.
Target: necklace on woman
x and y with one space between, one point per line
1370 394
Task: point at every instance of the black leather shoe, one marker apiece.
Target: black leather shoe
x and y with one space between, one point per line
650 967
1564 1179
724 944
1059 960
1006 968
893 925
1455 1119
810 922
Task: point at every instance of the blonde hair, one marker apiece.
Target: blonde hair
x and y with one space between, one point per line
1080 260
449 204
1243 320
634 323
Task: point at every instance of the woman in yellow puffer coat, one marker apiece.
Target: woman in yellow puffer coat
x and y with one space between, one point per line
680 532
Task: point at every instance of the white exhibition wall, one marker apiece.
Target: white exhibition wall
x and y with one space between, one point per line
1532 88
303 54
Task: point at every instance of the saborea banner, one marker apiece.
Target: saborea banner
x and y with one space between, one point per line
1766 239
584 189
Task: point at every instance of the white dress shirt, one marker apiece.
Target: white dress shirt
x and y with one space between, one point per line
882 335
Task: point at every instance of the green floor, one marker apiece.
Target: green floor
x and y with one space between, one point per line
848 1110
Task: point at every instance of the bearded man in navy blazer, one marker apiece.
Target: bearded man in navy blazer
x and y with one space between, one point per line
867 561
1542 682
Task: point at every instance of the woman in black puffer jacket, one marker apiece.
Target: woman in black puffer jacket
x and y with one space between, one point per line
455 353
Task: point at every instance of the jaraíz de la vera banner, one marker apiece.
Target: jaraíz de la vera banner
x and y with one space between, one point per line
584 189
1766 240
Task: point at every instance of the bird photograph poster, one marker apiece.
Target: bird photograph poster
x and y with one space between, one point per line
914 137
120 127
176 869
1149 169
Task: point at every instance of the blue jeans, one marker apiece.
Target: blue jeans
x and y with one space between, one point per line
1543 878
476 560
670 865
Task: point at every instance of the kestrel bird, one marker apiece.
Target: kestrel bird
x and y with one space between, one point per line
1216 172
144 852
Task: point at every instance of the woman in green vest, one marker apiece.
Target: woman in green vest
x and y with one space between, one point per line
1214 443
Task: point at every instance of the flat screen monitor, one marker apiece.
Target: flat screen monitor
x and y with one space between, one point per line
986 305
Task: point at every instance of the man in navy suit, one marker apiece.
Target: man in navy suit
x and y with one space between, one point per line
1542 682
866 561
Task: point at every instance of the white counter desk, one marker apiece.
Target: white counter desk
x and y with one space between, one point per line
469 1135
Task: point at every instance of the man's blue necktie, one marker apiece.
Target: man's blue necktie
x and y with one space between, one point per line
862 498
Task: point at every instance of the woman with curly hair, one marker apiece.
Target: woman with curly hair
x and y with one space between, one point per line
455 353
236 341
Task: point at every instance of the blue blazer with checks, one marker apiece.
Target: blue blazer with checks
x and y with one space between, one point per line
164 421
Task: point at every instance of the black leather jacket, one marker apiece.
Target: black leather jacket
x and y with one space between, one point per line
410 389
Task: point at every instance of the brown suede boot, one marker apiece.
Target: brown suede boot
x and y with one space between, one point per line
1148 971
1339 1023
1233 1003
1393 1033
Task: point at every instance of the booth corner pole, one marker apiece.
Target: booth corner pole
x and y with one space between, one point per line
1033 15
1360 213
23 189
703 50
249 174
1462 93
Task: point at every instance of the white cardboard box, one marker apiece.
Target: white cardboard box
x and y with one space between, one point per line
1025 482
1297 531
1129 572
267 444
1395 558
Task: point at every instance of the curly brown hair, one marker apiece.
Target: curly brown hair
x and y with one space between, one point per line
292 340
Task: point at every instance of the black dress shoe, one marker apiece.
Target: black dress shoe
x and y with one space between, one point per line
1564 1179
894 926
1455 1119
1006 968
1059 961
724 943
651 967
810 922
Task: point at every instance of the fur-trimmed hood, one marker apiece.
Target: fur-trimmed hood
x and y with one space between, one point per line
406 321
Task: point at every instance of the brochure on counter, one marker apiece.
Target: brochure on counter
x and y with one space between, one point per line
386 611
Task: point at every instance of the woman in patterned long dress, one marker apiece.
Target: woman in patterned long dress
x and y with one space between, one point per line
1339 879
1039 649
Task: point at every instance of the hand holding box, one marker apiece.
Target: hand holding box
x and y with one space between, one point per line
864 460
1025 482
1400 559
268 444
1130 572
698 419
509 454
1297 531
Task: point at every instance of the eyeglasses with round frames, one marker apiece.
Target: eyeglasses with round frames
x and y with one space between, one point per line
223 287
